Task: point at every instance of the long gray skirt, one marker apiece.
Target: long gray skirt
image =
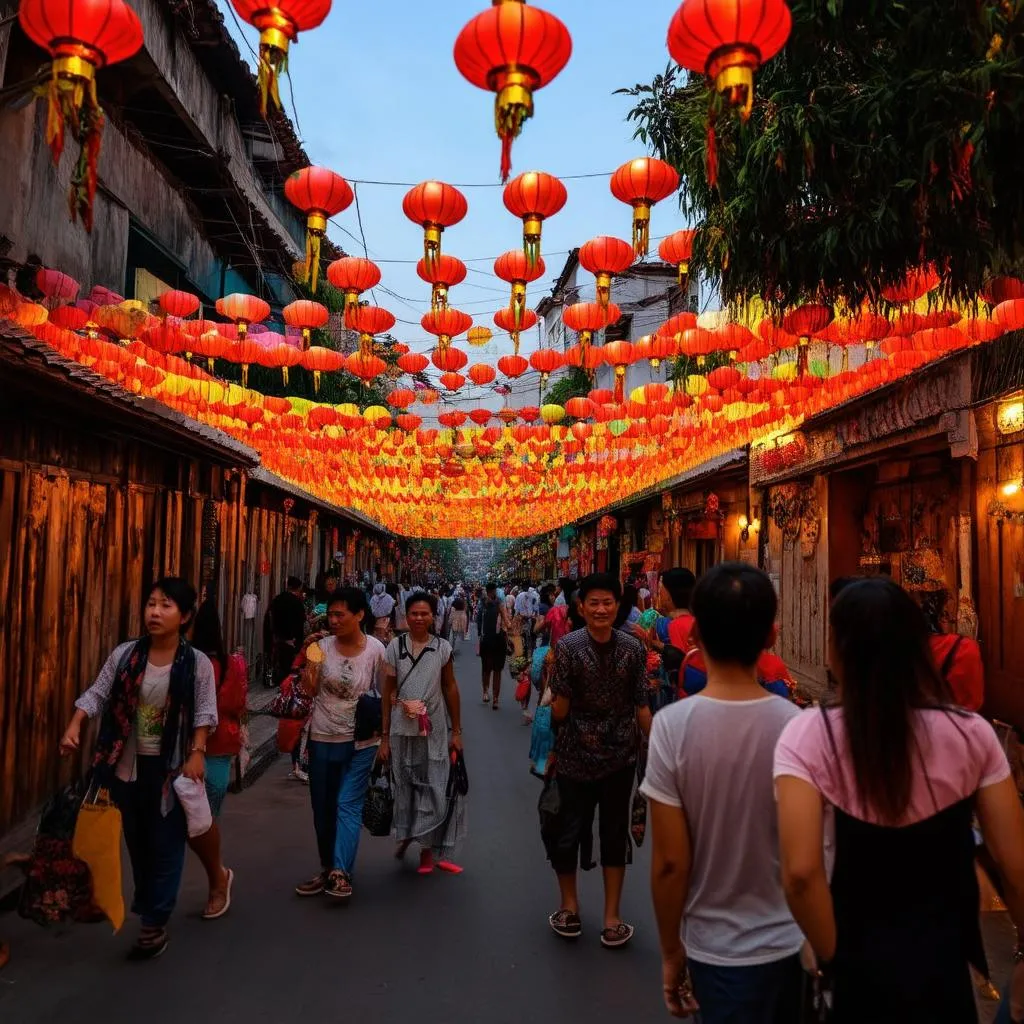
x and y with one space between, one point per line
422 810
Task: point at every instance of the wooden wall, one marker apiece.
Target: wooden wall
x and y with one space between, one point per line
1000 568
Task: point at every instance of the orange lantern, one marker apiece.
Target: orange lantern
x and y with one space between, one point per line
243 352
178 303
368 321
481 374
604 257
512 49
586 318
513 366
321 360
449 359
678 249
452 381
306 316
915 285
413 363
365 365
545 361
641 183
446 324
506 320
353 275
243 310
281 356
434 206
619 355
279 24
320 194
514 268
441 274
533 197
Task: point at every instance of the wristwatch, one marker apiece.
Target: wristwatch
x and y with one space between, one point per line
198 750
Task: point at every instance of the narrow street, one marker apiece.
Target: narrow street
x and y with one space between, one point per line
436 950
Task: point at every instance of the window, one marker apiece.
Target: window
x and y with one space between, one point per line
620 331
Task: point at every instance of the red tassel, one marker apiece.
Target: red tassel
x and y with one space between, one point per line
506 157
711 153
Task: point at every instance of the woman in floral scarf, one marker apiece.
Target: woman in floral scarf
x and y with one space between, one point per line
158 701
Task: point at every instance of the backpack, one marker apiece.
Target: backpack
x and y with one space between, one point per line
693 677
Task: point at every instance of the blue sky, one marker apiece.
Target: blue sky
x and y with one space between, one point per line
379 98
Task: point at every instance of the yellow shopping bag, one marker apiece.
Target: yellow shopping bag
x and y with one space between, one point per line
98 842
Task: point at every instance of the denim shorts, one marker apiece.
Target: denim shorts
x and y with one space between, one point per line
218 776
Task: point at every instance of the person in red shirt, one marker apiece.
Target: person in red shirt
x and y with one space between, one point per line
958 658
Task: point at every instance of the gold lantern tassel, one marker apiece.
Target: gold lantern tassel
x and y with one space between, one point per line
316 381
245 375
531 240
284 375
641 228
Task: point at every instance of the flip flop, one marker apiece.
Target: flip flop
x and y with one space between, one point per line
449 867
227 900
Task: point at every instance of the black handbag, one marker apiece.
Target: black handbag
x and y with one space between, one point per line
458 779
379 806
369 716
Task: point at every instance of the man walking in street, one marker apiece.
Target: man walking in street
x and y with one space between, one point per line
287 619
599 690
715 875
492 621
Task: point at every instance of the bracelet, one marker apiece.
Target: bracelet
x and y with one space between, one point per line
456 732
198 750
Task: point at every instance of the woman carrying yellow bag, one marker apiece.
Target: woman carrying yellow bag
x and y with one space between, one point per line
158 701
98 842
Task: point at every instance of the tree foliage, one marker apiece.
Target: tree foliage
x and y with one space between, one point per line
886 135
575 383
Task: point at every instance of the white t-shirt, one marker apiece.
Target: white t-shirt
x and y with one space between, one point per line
342 682
149 713
714 758
249 602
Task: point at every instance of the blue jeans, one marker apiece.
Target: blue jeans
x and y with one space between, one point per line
218 777
339 776
156 844
761 994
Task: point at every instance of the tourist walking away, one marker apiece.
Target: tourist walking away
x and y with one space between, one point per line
157 698
382 609
460 618
675 623
722 916
222 748
599 703
492 623
958 657
340 669
287 622
422 736
896 772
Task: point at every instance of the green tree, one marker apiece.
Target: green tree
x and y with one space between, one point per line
884 136
576 383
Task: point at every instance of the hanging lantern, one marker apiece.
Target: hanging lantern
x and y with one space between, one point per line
604 257
678 249
641 183
434 206
505 319
413 363
545 361
320 194
533 197
278 357
401 398
365 365
728 41
587 318
446 324
353 275
81 37
451 380
57 286
619 355
243 310
279 24
513 366
178 303
368 321
321 360
211 346
514 268
443 273
916 284
306 316
243 352
512 49
449 359
481 374
479 336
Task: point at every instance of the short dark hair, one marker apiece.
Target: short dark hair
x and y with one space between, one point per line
601 581
679 583
491 587
735 607
293 583
351 597
839 584
421 596
180 591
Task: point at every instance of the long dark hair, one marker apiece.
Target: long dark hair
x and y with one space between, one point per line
208 637
880 640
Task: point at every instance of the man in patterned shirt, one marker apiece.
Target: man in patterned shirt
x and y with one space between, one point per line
600 707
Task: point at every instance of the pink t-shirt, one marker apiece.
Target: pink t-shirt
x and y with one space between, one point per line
959 752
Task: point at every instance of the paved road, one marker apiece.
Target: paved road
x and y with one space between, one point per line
435 950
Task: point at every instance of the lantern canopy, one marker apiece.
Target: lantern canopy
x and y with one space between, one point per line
512 49
534 196
81 37
279 25
641 183
320 194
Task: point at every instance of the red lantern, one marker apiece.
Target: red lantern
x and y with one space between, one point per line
365 365
545 361
514 268
407 422
678 249
81 37
353 275
481 417
321 360
506 320
402 398
586 318
279 24
604 257
579 408
179 304
999 289
368 321
282 357
619 355
449 359
641 183
306 316
446 324
243 352
243 310
71 318
320 194
481 374
808 319
728 40
413 363
512 49
915 285
434 206
56 285
534 196
443 273
513 366
452 381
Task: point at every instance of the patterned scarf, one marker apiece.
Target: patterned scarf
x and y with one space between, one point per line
119 714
